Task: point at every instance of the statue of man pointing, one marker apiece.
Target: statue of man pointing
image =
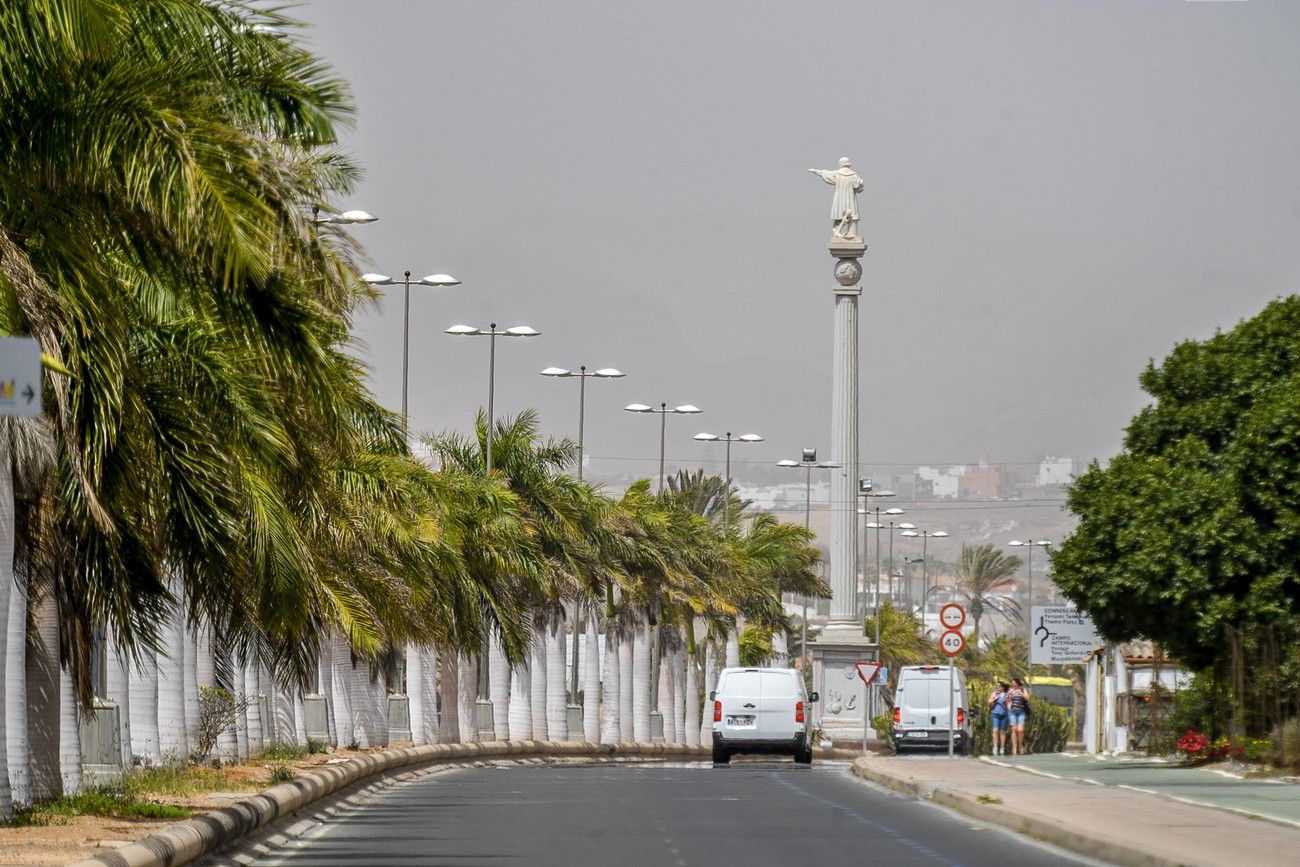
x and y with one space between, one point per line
844 206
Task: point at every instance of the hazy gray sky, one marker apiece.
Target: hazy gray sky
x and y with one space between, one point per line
1056 192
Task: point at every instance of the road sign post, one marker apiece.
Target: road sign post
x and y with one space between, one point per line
952 642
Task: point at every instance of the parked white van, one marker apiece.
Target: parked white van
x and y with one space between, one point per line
921 709
761 710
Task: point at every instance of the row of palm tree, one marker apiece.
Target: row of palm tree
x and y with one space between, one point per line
214 491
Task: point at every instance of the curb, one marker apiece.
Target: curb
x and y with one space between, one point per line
193 838
1024 823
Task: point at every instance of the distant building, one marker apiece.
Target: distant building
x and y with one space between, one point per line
1055 471
942 484
987 482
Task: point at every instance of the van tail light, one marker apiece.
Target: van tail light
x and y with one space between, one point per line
717 711
898 716
961 716
798 711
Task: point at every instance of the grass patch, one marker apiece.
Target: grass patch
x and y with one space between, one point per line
179 781
284 752
109 802
281 774
988 799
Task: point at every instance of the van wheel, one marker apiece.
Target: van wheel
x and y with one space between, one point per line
721 755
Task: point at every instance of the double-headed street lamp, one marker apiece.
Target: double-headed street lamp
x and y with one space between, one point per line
582 376
727 438
663 411
492 334
865 490
441 280
342 219
808 462
1029 596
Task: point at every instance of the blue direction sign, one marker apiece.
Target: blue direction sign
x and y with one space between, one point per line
20 376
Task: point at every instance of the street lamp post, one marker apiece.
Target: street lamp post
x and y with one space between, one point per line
492 334
663 411
925 565
866 490
1029 596
727 438
808 462
405 282
582 376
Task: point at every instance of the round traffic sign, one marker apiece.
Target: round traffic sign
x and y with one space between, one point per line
952 615
952 642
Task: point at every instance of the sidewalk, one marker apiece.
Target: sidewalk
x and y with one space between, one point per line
1109 823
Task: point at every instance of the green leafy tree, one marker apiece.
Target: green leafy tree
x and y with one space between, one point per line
1191 531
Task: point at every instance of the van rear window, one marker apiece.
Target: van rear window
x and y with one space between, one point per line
741 683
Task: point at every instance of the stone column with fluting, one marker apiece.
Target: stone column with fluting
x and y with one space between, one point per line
844 435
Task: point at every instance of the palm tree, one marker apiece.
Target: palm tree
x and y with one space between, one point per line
985 578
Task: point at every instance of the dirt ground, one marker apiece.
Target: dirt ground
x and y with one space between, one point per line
80 837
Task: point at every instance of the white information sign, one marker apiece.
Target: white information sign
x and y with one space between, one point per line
20 376
1061 635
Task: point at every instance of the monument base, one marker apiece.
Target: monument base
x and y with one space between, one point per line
843 713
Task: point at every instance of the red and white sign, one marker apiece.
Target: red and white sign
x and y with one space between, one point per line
952 616
868 669
952 642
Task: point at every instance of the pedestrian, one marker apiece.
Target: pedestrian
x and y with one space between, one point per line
998 718
1017 714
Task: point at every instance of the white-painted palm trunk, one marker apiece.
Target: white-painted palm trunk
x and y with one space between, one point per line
172 739
665 690
118 684
557 714
710 684
537 685
299 718
253 715
413 660
340 664
467 698
69 735
499 688
591 682
15 699
191 685
626 656
521 706
144 711
284 723
368 718
641 684
609 717
691 687
780 649
733 648
679 694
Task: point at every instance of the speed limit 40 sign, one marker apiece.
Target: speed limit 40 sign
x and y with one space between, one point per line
952 642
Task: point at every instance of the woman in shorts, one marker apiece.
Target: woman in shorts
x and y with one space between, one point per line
998 718
1017 714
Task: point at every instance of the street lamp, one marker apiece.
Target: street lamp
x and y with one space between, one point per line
1031 544
727 438
664 411
808 462
405 282
926 535
492 334
582 376
865 490
343 218
877 526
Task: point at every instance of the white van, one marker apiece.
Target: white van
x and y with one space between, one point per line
921 709
761 710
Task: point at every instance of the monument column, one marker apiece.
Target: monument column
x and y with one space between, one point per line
841 713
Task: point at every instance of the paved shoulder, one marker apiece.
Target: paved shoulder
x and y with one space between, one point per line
1120 824
748 813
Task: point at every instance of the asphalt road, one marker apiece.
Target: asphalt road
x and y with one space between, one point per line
745 814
